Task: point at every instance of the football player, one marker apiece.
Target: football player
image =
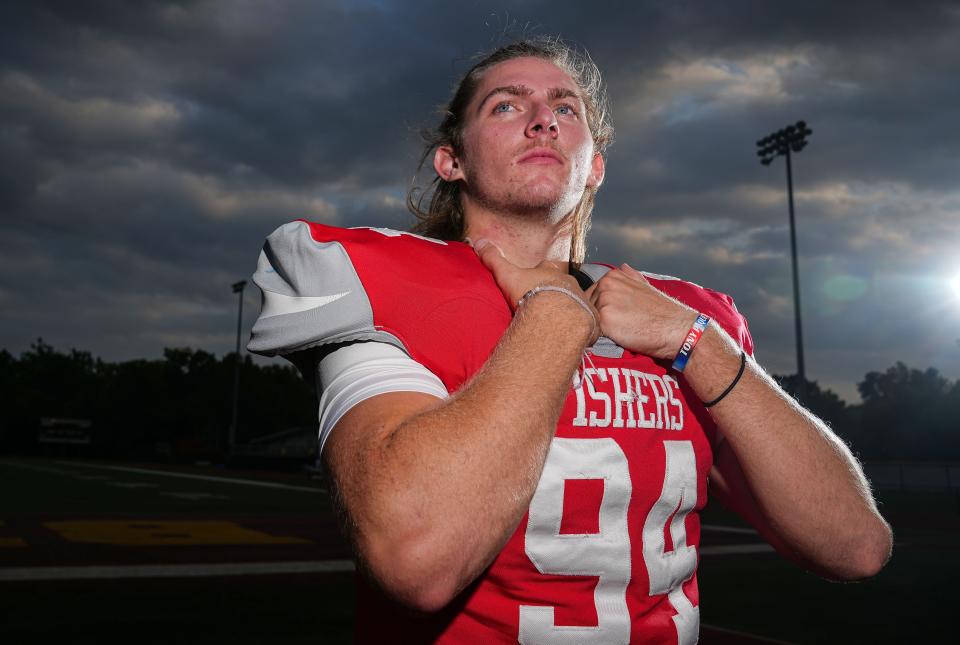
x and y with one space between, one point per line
520 442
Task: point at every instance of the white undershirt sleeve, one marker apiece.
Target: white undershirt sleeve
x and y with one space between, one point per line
358 371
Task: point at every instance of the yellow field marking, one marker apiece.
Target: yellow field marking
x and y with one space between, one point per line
164 533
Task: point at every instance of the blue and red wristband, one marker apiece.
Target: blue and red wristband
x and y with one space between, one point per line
693 337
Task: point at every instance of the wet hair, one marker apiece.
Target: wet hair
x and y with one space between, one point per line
443 218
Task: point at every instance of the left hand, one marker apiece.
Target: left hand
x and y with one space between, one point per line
638 316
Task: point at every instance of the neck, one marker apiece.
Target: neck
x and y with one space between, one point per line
525 241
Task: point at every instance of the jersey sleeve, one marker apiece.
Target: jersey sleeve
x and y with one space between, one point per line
358 371
733 322
312 296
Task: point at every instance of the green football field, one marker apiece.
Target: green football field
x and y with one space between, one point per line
108 552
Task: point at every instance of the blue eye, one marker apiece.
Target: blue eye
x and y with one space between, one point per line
502 105
569 110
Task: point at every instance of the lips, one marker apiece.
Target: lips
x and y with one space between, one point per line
541 156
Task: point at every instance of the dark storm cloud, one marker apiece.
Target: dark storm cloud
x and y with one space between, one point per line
146 148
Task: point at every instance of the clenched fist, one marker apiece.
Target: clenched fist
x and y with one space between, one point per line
637 316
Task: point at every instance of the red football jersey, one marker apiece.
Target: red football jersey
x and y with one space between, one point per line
607 552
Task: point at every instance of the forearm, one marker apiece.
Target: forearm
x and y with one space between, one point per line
807 484
453 482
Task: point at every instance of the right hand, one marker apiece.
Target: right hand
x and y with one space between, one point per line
515 281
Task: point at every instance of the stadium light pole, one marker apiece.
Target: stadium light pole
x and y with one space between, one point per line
792 138
232 437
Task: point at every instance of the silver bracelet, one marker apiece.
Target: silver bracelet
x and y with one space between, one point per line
563 290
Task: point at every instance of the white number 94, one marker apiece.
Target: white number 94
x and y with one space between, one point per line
606 554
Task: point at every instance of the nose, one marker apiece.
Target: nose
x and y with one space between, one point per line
543 120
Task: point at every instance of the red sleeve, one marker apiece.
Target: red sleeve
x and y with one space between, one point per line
718 306
732 321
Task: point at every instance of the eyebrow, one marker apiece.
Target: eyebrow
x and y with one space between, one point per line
553 93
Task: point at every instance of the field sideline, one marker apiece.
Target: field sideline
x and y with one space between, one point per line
90 550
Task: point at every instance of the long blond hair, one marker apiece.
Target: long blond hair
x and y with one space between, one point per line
443 218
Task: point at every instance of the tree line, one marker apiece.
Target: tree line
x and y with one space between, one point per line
181 405
178 406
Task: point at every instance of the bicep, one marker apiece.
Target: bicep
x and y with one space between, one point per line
366 391
354 441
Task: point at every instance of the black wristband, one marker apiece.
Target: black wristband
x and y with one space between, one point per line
743 364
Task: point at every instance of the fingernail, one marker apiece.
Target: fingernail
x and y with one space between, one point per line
480 244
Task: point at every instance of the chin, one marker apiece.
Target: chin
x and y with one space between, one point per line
539 196
556 200
543 195
538 203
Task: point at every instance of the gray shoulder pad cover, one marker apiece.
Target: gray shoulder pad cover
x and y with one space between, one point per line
312 295
595 271
604 346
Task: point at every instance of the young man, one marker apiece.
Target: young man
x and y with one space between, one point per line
478 481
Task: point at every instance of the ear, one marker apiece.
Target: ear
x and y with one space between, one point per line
447 164
597 171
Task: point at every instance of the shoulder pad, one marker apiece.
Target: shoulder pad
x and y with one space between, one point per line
312 295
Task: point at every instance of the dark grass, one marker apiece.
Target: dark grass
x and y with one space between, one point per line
767 596
292 610
287 609
906 603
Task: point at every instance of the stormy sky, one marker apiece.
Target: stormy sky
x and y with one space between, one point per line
146 148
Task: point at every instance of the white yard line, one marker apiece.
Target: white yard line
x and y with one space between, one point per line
209 478
116 572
